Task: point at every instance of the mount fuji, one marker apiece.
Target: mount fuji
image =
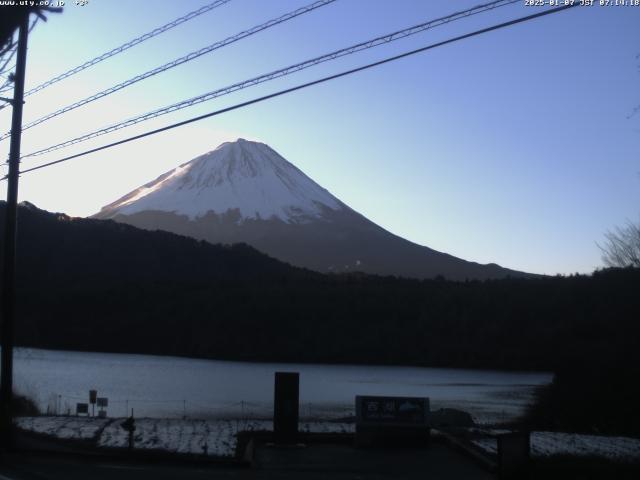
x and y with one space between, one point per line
245 191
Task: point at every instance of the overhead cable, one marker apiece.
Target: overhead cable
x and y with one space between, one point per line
178 61
304 85
276 74
128 45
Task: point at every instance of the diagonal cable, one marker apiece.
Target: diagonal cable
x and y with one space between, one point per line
178 61
277 74
307 85
128 45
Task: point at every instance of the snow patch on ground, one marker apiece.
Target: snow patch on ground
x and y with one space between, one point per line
547 444
79 428
217 438
181 436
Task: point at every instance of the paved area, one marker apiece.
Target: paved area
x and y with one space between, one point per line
27 467
435 462
318 461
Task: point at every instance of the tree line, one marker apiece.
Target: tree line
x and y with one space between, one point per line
102 286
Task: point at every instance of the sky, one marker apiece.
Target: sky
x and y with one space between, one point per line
517 147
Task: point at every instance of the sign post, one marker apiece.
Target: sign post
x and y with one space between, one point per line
93 396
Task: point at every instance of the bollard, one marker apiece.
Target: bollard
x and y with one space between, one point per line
286 407
513 454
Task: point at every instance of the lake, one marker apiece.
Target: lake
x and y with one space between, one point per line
171 387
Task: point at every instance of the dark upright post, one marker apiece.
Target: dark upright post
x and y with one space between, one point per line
513 454
285 407
9 254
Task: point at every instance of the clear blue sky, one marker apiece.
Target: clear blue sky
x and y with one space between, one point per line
514 147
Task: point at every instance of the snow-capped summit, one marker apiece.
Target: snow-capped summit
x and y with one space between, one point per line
248 176
246 192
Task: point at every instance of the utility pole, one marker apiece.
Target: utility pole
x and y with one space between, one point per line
9 257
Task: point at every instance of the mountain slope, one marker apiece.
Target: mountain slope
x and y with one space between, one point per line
242 176
246 192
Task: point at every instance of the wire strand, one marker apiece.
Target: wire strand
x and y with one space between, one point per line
174 63
128 45
306 85
276 74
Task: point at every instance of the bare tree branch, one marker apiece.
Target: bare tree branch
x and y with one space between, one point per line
622 246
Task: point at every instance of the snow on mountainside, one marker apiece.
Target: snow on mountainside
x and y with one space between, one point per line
243 175
246 192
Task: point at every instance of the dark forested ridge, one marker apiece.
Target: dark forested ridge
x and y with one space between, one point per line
99 285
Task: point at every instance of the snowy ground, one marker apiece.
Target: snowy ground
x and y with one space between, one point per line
218 437
546 444
202 437
79 428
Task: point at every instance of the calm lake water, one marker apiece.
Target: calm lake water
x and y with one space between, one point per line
158 386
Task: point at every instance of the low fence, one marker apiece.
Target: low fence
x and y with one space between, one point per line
65 405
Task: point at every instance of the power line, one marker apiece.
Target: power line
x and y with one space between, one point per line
178 61
306 85
128 45
277 74
282 72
